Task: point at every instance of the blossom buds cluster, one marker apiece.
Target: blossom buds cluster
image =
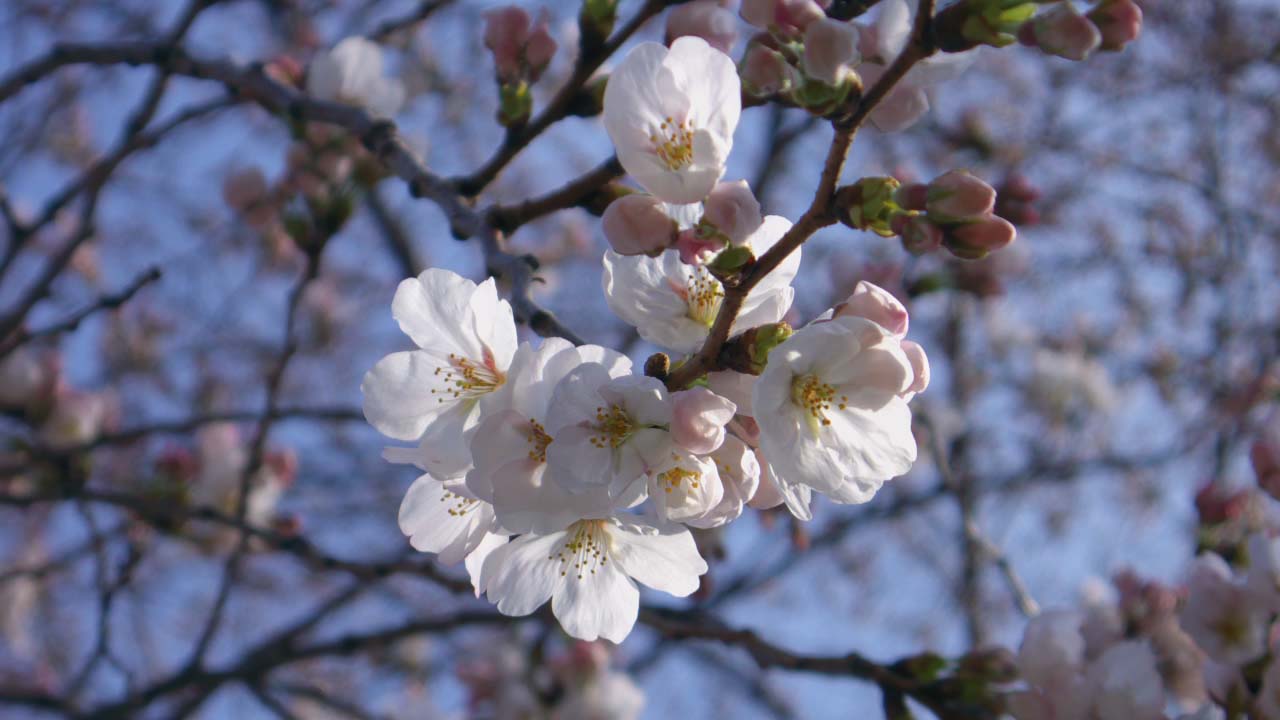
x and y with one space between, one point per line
995 22
1063 31
812 65
955 210
706 19
522 50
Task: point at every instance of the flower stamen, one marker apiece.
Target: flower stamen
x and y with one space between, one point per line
816 398
673 143
614 425
585 551
464 378
703 297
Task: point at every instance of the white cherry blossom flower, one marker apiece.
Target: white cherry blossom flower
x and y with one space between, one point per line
466 337
686 489
509 446
830 409
609 432
671 115
739 474
673 304
589 572
351 73
1221 614
606 694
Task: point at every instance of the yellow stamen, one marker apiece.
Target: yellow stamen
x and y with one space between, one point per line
673 143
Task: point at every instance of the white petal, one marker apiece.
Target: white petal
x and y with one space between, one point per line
398 394
475 559
519 577
440 521
599 603
664 558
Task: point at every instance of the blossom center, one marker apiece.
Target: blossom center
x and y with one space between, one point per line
674 479
816 399
465 378
538 441
614 427
673 143
703 297
585 549
457 504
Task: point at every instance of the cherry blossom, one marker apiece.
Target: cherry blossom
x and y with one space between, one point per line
466 337
831 411
352 73
589 571
673 304
671 115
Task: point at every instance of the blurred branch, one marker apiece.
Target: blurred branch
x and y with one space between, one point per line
425 9
106 302
507 218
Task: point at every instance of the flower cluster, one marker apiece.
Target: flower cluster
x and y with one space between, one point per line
559 473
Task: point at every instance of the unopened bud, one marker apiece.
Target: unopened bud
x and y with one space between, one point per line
919 368
638 224
596 21
876 304
957 196
732 210
1064 32
697 248
658 366
704 19
765 71
1119 22
830 50
868 205
912 196
990 22
506 30
973 241
789 17
698 419
731 260
766 338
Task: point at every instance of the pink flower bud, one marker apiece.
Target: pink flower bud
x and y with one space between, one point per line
704 19
698 419
919 235
877 305
787 16
958 196
920 367
246 192
975 240
1119 21
1264 455
765 71
1064 32
521 51
830 50
912 196
733 210
638 224
696 249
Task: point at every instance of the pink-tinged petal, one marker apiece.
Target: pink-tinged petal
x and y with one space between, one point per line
919 367
664 558
877 305
900 109
698 419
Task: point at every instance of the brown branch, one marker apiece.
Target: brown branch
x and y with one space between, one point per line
516 139
106 302
394 26
507 218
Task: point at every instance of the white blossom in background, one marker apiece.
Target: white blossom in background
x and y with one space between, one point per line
589 572
1125 685
673 304
607 695
1064 383
466 337
352 73
831 412
671 114
1221 614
